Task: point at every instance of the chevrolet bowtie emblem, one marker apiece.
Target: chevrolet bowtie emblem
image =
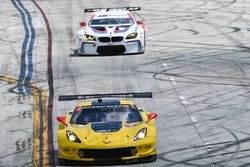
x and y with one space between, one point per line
106 142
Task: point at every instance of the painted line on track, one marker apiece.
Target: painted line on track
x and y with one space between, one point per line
40 157
40 135
172 80
29 39
40 139
51 88
194 120
30 49
183 99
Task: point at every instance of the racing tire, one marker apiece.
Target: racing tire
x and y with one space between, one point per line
76 52
62 162
151 158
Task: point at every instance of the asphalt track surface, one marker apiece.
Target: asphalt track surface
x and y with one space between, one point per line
197 65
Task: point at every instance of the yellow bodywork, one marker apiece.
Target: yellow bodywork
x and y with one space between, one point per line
121 139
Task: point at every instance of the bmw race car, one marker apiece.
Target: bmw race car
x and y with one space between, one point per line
111 31
101 131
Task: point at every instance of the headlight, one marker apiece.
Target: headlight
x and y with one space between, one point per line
72 137
89 37
141 134
132 36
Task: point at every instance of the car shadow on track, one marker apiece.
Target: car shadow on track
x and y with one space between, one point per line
75 54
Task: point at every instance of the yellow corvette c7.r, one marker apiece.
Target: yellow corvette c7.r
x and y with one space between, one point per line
106 130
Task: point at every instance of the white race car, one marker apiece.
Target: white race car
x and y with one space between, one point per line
111 31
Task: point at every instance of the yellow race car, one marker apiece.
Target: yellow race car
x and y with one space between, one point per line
101 131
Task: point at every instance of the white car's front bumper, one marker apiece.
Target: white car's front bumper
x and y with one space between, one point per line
123 47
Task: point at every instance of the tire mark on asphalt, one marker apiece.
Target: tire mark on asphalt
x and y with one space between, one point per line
195 81
215 150
234 30
183 105
24 80
51 88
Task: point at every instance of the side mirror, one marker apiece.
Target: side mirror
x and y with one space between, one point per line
151 116
62 119
83 24
139 22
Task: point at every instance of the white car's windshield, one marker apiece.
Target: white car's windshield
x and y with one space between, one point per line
106 21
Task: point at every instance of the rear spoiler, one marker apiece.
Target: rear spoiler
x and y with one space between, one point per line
111 9
112 95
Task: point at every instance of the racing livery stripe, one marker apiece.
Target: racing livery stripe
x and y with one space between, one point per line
92 17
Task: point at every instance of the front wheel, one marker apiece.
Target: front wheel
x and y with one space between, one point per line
62 162
151 158
76 52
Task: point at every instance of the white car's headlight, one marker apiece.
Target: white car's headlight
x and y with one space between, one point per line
132 36
72 136
140 134
89 37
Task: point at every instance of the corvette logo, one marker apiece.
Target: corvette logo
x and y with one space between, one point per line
106 142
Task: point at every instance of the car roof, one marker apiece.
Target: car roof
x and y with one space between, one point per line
111 14
105 102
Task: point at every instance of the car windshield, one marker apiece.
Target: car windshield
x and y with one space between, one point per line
106 21
113 113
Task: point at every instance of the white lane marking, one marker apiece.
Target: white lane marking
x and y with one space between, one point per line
165 65
183 99
209 146
172 80
155 49
194 120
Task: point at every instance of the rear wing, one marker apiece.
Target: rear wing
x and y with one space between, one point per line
112 95
90 10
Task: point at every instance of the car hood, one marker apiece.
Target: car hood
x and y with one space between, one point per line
100 30
113 133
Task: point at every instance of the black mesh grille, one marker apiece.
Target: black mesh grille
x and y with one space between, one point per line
112 39
108 153
116 39
115 49
104 39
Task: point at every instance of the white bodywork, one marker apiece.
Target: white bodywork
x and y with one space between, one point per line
106 32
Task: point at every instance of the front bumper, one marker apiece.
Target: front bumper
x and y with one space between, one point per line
100 48
150 158
78 152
